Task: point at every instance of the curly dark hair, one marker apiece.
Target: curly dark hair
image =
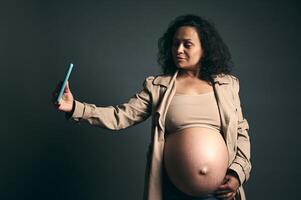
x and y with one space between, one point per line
217 57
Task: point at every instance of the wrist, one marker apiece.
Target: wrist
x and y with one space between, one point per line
233 173
69 114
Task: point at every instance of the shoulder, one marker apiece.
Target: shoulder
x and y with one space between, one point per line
230 81
156 85
158 80
225 79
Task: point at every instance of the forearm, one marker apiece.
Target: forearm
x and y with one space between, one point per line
110 117
241 163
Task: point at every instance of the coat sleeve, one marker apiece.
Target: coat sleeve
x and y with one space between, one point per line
136 110
241 164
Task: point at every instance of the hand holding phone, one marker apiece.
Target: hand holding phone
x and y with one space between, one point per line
59 96
62 97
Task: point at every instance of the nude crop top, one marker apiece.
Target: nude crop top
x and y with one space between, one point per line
192 110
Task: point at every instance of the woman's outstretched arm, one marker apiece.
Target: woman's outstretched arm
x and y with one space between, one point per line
136 110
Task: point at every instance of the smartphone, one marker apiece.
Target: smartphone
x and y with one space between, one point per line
64 83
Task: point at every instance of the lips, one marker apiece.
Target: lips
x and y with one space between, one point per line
180 58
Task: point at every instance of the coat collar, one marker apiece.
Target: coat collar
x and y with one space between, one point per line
164 80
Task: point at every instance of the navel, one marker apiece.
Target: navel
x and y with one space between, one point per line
203 171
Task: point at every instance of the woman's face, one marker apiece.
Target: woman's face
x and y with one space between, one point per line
186 48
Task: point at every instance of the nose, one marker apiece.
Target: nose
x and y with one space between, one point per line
180 49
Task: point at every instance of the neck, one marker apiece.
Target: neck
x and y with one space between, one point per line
190 73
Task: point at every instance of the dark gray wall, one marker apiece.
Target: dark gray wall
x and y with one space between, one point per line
113 46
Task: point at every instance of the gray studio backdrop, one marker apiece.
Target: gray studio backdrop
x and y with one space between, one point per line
113 46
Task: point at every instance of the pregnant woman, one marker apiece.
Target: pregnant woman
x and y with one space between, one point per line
200 146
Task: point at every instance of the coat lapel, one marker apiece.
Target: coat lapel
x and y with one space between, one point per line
221 86
169 82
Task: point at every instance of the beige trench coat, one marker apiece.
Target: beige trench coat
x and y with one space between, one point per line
153 101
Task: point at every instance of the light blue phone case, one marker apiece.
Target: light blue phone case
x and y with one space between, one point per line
64 83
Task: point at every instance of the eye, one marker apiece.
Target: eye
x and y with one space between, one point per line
187 44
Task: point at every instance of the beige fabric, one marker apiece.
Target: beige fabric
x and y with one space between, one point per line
186 111
153 100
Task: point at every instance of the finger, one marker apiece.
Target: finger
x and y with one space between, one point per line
54 100
55 104
228 195
231 197
223 187
231 181
227 177
67 89
221 192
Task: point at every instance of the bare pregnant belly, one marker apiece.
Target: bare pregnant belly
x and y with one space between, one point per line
196 160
